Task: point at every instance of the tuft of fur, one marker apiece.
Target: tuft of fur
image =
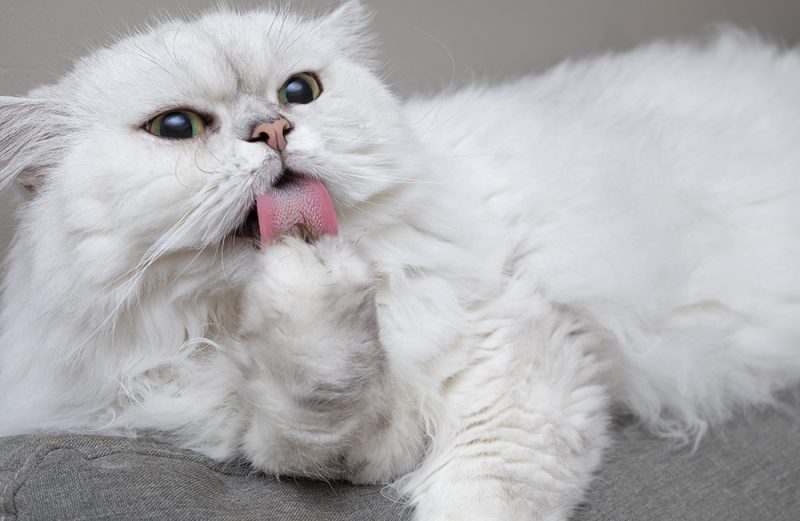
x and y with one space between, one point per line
32 139
512 261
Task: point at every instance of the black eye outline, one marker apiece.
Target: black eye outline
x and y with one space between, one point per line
312 83
199 124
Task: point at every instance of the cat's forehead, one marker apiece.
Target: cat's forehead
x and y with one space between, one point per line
214 57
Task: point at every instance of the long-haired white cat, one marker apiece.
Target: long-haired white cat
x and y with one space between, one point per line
236 238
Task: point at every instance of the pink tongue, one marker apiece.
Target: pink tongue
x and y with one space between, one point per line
298 201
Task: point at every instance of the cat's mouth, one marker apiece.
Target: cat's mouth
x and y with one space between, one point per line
248 228
295 204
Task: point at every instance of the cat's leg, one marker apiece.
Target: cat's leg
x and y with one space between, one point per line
523 423
317 388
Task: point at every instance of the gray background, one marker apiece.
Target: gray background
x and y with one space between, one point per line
427 45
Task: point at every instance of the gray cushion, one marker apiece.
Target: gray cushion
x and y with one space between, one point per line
749 471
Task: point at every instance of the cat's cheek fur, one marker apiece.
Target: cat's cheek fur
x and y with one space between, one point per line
316 379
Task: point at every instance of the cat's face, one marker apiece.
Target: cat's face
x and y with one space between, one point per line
112 195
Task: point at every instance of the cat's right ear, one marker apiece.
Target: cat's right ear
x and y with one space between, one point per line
33 136
349 26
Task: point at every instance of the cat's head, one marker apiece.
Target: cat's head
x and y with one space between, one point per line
149 149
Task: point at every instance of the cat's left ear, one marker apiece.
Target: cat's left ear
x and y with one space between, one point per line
33 135
349 25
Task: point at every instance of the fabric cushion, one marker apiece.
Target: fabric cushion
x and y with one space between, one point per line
748 470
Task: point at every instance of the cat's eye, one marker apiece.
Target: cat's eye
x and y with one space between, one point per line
301 88
178 124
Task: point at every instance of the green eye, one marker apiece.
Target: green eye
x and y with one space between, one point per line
180 124
301 88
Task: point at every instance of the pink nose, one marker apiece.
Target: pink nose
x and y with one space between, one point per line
273 132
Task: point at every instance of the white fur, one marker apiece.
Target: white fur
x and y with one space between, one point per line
512 259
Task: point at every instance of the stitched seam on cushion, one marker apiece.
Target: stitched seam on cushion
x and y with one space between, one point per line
12 499
43 454
213 467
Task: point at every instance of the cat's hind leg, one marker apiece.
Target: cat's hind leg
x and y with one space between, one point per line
706 362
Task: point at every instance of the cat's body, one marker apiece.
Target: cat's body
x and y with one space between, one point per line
511 260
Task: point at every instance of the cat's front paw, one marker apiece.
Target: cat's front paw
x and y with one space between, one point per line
311 308
312 364
300 287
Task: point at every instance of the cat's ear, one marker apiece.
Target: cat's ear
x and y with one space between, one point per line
350 26
32 138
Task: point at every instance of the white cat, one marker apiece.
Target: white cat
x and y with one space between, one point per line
509 262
